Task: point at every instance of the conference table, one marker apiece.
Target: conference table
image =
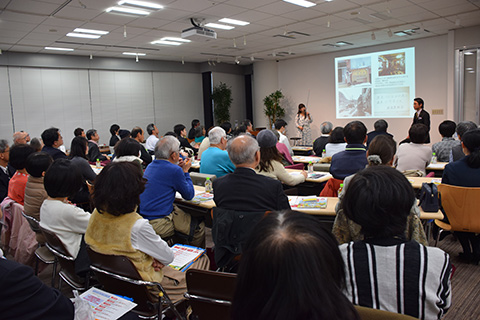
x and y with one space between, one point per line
205 202
302 150
306 159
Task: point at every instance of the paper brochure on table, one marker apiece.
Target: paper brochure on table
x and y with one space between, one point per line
436 166
200 196
107 306
307 202
185 256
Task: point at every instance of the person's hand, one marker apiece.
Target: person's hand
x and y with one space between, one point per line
185 164
157 265
301 128
304 173
185 154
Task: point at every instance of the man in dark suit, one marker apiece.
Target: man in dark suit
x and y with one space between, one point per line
421 116
52 140
380 128
6 171
244 190
93 149
138 134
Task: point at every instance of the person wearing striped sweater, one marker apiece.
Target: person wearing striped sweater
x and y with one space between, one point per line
386 271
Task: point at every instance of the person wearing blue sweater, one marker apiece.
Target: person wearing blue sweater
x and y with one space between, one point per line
166 175
215 159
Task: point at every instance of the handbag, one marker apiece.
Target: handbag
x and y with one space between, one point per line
429 197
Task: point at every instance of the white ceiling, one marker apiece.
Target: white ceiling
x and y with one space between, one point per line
31 25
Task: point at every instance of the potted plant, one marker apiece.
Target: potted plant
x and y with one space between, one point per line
273 110
222 100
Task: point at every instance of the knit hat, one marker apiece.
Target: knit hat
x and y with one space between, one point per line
266 139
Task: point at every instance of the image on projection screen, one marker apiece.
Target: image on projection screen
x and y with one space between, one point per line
375 85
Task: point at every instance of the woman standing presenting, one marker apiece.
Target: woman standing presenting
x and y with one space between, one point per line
302 121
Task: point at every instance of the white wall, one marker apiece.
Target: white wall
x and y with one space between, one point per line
70 98
265 81
310 80
237 82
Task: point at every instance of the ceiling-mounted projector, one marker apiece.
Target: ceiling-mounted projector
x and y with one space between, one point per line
198 33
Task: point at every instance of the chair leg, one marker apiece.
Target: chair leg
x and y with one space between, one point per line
36 266
438 236
54 273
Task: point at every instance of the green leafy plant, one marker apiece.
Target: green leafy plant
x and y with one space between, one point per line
273 110
222 100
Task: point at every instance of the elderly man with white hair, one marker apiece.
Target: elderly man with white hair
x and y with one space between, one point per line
215 159
244 189
166 175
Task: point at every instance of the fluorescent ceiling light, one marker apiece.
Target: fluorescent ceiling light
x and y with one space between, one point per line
401 33
92 31
302 3
128 10
134 54
344 43
235 22
175 39
468 53
58 49
144 4
83 35
170 43
219 26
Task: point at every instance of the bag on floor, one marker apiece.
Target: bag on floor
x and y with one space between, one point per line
429 197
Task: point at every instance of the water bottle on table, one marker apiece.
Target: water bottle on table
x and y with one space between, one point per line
208 185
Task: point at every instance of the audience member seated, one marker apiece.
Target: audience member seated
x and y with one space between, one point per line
128 150
18 159
380 128
457 151
191 132
248 127
336 142
244 189
281 128
152 139
78 157
115 132
24 296
137 134
6 171
123 133
203 146
116 198
283 150
52 140
37 164
291 268
443 149
271 161
353 158
21 137
68 222
181 133
239 130
384 270
166 175
227 126
93 149
199 135
36 144
412 158
320 143
381 152
215 159
466 173
79 132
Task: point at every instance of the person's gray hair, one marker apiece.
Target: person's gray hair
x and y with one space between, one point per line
150 128
242 149
465 126
326 127
165 146
3 145
216 134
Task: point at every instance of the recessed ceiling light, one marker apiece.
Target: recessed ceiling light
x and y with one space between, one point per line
92 31
83 35
468 69
219 26
302 3
175 39
344 43
235 22
401 33
468 53
170 43
143 4
58 49
128 10
134 54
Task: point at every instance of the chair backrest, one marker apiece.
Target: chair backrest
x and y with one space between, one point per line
375 314
210 293
199 178
331 188
67 262
122 266
298 166
34 224
461 204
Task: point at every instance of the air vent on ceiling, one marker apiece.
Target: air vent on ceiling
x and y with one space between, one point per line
292 34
